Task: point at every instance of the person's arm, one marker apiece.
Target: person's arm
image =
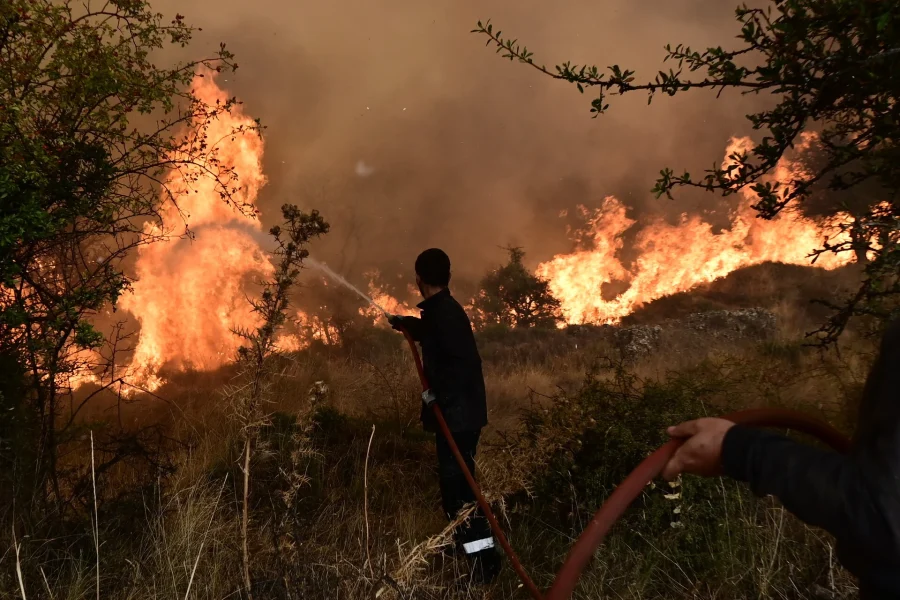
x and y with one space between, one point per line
821 487
411 324
856 499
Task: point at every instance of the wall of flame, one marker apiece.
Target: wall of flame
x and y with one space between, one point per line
190 294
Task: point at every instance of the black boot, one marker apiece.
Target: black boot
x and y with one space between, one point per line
485 566
453 550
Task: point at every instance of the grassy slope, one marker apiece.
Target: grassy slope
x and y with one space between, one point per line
555 448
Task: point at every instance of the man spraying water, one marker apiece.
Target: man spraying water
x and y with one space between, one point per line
453 368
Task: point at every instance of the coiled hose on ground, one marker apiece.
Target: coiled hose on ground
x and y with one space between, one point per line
603 520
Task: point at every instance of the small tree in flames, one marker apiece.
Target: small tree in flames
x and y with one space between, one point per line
514 297
250 396
91 132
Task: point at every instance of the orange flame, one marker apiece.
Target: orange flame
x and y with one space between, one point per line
384 300
189 293
83 373
293 342
318 328
676 258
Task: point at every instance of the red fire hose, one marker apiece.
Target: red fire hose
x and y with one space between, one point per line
603 520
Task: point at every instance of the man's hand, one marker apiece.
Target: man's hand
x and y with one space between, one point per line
396 322
701 452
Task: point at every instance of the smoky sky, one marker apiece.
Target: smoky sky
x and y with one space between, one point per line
467 151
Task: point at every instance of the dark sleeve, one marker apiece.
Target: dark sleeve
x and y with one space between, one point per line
822 488
414 326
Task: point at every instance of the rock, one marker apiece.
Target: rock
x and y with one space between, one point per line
746 323
637 341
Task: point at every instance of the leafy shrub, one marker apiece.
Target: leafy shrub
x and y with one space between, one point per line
676 537
513 296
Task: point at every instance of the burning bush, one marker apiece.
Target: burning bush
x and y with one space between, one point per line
82 168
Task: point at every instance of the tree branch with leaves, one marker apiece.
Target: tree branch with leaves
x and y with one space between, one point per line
92 132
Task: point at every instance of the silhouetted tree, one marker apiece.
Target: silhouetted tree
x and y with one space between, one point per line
513 296
829 66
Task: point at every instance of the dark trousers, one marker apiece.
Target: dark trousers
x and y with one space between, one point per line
474 536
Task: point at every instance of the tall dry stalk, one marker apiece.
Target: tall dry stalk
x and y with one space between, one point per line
19 579
212 514
366 499
251 396
408 576
96 515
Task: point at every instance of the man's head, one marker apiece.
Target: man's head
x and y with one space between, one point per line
432 271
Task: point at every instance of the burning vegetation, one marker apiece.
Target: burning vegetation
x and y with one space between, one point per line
190 406
190 292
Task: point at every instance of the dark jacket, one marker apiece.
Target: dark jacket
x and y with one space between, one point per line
452 363
856 497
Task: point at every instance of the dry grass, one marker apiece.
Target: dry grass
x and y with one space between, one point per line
339 513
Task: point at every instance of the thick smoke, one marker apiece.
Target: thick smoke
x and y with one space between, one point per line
406 132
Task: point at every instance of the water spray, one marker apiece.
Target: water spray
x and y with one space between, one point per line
337 278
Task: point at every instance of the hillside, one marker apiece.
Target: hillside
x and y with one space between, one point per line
789 291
